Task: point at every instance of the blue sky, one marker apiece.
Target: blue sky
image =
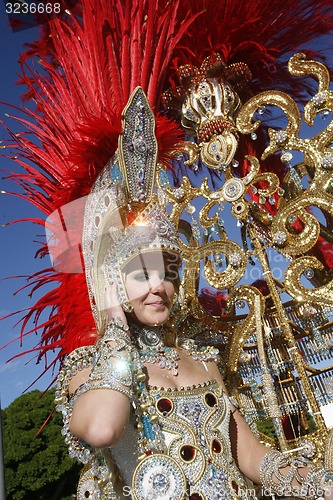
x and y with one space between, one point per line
16 241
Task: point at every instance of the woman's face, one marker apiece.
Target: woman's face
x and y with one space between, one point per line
150 285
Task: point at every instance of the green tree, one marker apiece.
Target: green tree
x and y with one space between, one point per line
37 465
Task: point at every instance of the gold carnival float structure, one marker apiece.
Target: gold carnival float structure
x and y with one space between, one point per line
275 335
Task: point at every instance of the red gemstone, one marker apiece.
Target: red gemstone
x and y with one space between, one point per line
210 399
187 453
216 446
235 486
164 406
148 452
196 496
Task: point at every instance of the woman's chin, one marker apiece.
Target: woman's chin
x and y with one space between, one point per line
156 320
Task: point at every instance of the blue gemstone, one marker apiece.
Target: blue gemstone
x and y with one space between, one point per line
164 178
115 173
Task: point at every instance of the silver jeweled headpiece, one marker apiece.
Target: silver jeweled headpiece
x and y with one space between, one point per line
124 216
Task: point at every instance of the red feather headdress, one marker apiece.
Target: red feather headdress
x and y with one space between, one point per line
89 62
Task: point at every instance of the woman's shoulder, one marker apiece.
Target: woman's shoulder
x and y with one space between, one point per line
80 357
76 368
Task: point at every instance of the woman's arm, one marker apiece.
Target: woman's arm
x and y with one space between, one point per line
258 463
99 416
101 411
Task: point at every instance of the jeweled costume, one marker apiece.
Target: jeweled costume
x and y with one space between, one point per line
196 462
94 57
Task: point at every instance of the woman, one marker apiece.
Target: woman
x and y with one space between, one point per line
149 415
189 390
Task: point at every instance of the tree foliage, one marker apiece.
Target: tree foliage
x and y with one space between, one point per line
37 465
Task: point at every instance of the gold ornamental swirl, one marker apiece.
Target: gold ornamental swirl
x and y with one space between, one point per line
217 279
321 295
243 329
298 244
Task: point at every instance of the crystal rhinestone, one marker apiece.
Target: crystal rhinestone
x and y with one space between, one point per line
235 259
254 136
187 453
233 189
214 147
235 163
240 304
309 448
141 174
327 161
286 157
319 99
164 406
281 136
216 446
139 145
179 193
189 114
292 218
309 311
261 110
160 481
280 238
150 337
210 399
244 358
324 114
309 273
195 229
204 89
190 209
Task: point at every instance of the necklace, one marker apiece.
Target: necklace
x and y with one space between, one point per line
153 350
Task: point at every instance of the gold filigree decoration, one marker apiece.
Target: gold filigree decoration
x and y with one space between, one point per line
243 329
322 295
317 163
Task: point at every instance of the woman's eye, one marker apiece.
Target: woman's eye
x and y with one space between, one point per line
142 277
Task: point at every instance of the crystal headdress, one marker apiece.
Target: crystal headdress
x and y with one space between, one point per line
124 215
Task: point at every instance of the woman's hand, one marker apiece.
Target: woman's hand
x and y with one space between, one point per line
113 305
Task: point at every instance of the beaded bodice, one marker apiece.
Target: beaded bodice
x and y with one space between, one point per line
195 424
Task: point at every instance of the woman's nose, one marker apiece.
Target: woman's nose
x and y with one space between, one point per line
156 283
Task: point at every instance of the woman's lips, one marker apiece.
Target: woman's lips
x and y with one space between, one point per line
156 304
